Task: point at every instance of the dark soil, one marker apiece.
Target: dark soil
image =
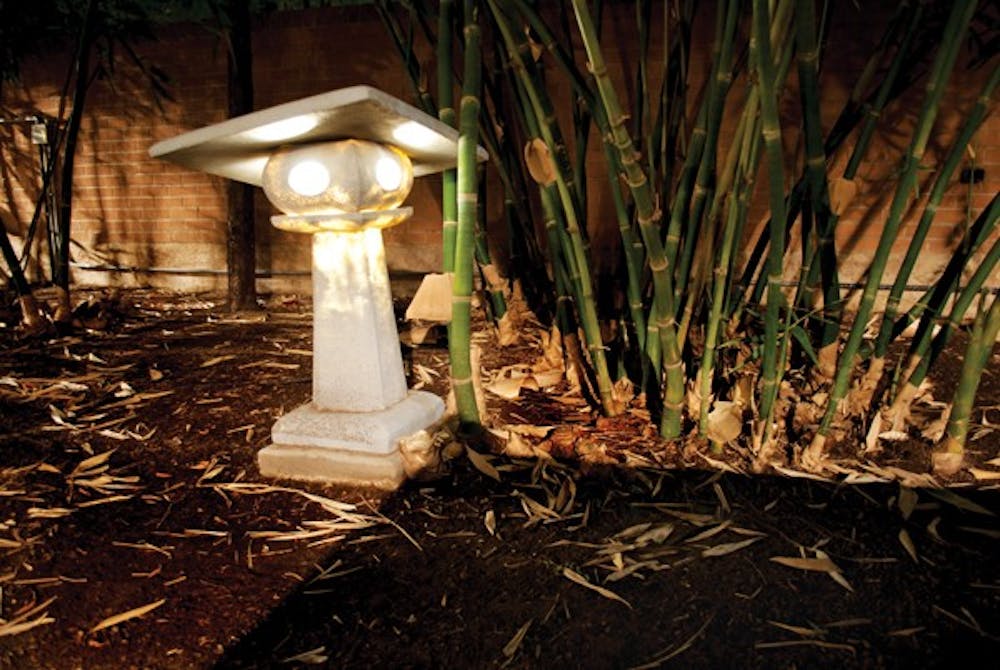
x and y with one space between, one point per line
441 573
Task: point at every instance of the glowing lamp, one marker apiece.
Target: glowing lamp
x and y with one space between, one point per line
338 166
344 186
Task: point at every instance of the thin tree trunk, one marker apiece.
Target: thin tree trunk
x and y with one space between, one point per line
64 311
241 263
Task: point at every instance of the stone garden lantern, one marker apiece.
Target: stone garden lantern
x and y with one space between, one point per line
339 166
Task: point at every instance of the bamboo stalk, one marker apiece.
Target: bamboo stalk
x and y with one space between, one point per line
492 280
548 128
928 307
648 216
446 113
815 170
941 69
771 133
719 83
459 342
948 456
942 181
927 348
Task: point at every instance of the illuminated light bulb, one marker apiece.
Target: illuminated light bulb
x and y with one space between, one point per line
388 173
415 135
286 129
308 178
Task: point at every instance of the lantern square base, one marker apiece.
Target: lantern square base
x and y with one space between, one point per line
356 448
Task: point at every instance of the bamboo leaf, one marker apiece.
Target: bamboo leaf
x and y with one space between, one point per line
725 422
482 464
514 643
842 192
23 622
538 158
907 501
952 498
798 630
582 581
724 549
218 359
907 542
802 338
811 564
125 616
490 521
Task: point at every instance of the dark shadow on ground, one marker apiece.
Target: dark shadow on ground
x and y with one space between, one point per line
461 597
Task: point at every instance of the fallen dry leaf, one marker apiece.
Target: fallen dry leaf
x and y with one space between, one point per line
512 645
582 581
907 543
728 548
482 463
125 616
812 564
218 359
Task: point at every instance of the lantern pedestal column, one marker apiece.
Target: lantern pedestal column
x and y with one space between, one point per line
361 407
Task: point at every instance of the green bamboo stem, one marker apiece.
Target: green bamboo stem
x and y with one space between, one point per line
715 318
446 113
640 122
670 115
941 69
941 183
984 335
929 305
632 248
928 348
632 251
459 341
748 142
544 114
823 264
648 216
720 80
495 290
815 170
842 128
771 133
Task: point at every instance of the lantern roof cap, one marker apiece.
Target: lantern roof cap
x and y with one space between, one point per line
238 148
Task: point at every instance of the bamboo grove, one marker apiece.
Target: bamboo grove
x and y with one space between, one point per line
701 314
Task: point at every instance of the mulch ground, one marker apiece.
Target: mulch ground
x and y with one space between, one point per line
135 531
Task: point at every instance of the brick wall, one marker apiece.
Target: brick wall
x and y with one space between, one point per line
132 211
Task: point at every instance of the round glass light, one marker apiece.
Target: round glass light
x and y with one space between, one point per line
345 176
308 178
388 173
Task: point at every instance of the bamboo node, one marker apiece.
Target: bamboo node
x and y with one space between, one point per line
471 197
461 299
599 71
658 264
771 134
653 217
816 162
638 182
